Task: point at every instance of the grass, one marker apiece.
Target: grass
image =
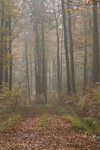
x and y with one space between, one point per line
79 124
42 109
93 123
9 119
61 110
87 124
44 119
23 110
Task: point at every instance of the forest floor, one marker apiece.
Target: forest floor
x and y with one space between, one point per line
44 129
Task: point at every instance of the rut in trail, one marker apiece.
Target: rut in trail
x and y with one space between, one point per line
58 134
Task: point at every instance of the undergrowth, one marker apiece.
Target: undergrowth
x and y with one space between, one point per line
42 109
44 119
87 124
9 119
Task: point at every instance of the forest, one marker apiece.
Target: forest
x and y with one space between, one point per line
49 75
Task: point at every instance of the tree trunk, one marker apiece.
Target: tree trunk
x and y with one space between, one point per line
71 49
58 59
66 48
6 53
96 72
44 83
1 45
61 58
10 53
31 72
85 60
27 71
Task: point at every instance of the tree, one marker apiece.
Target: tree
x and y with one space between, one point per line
27 71
71 48
58 53
96 72
66 48
1 44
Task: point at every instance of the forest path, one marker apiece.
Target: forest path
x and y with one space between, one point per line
44 129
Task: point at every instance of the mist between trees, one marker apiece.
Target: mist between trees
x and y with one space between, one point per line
47 54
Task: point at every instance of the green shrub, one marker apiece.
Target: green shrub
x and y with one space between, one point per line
80 125
92 122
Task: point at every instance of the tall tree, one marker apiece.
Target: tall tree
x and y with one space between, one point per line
6 51
58 52
27 71
1 44
85 59
44 78
71 48
10 53
96 68
66 47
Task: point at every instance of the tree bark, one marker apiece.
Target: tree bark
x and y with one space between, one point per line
96 72
66 48
71 49
61 58
44 83
10 53
27 71
58 57
85 60
31 72
6 53
1 45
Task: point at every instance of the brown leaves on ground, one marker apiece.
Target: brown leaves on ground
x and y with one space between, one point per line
58 135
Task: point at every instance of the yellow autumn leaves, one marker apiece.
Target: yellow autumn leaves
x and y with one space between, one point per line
78 10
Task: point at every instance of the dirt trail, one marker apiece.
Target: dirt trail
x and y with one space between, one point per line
57 135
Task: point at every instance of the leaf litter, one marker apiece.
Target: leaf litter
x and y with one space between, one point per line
59 134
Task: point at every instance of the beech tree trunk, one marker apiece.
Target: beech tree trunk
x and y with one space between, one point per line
27 71
71 49
1 45
58 57
85 60
96 68
44 81
31 72
10 53
6 53
61 58
66 48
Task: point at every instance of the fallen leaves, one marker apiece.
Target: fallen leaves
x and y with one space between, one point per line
58 135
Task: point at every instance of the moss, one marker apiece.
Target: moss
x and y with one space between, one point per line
93 123
61 110
79 124
82 126
44 121
88 124
42 109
